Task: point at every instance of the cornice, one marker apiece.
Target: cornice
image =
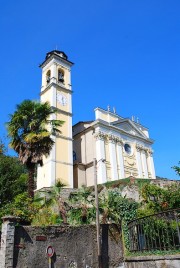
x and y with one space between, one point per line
100 122
62 111
46 61
64 138
58 87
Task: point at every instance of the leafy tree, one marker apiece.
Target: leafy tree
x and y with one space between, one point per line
2 147
30 129
156 199
177 169
21 206
13 178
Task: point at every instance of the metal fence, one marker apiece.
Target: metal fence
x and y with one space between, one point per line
156 232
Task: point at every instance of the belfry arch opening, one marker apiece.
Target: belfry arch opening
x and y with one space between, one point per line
48 76
60 76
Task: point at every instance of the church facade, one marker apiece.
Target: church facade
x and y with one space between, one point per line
120 146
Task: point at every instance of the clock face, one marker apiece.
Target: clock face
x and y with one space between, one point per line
62 99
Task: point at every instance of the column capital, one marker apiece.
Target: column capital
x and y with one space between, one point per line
100 135
112 138
139 147
150 152
119 141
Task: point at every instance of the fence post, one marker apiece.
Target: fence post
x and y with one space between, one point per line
7 241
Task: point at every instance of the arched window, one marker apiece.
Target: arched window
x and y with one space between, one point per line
48 76
60 76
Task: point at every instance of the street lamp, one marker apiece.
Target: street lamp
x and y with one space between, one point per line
95 162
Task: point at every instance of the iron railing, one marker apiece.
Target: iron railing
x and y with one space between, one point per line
156 232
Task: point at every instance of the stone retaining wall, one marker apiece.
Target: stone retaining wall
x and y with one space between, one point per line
74 246
171 261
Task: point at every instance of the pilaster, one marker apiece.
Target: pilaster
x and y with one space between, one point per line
151 163
139 162
120 159
144 163
113 158
100 155
7 241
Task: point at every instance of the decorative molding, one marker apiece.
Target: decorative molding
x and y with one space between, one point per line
150 151
131 164
119 141
140 147
109 137
112 138
101 135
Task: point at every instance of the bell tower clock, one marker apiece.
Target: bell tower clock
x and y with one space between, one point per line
56 89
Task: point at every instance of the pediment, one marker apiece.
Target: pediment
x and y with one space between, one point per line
129 127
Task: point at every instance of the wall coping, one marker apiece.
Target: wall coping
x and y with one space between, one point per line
10 218
152 258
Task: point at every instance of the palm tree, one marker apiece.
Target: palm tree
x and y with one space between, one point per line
30 130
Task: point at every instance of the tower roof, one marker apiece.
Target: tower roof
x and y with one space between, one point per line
58 54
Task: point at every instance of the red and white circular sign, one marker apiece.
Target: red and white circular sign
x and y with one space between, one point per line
50 251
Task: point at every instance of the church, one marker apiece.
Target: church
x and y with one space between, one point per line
119 146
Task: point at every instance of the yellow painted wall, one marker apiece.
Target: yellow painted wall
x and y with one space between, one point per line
61 150
62 173
64 128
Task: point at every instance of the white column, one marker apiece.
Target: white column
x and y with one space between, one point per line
139 162
149 164
120 160
144 164
113 159
100 155
152 164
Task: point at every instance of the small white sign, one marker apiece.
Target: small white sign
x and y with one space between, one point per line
50 251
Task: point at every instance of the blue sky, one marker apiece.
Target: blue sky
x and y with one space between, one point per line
126 55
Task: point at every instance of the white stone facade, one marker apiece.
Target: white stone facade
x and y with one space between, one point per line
122 144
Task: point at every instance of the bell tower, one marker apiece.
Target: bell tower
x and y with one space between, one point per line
56 89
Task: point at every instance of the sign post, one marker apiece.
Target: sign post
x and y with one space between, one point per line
50 253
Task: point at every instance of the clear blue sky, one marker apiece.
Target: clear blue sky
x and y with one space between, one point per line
126 54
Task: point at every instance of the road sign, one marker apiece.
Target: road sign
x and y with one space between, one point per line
50 251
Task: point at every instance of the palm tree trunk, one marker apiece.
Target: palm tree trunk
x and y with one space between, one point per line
31 172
